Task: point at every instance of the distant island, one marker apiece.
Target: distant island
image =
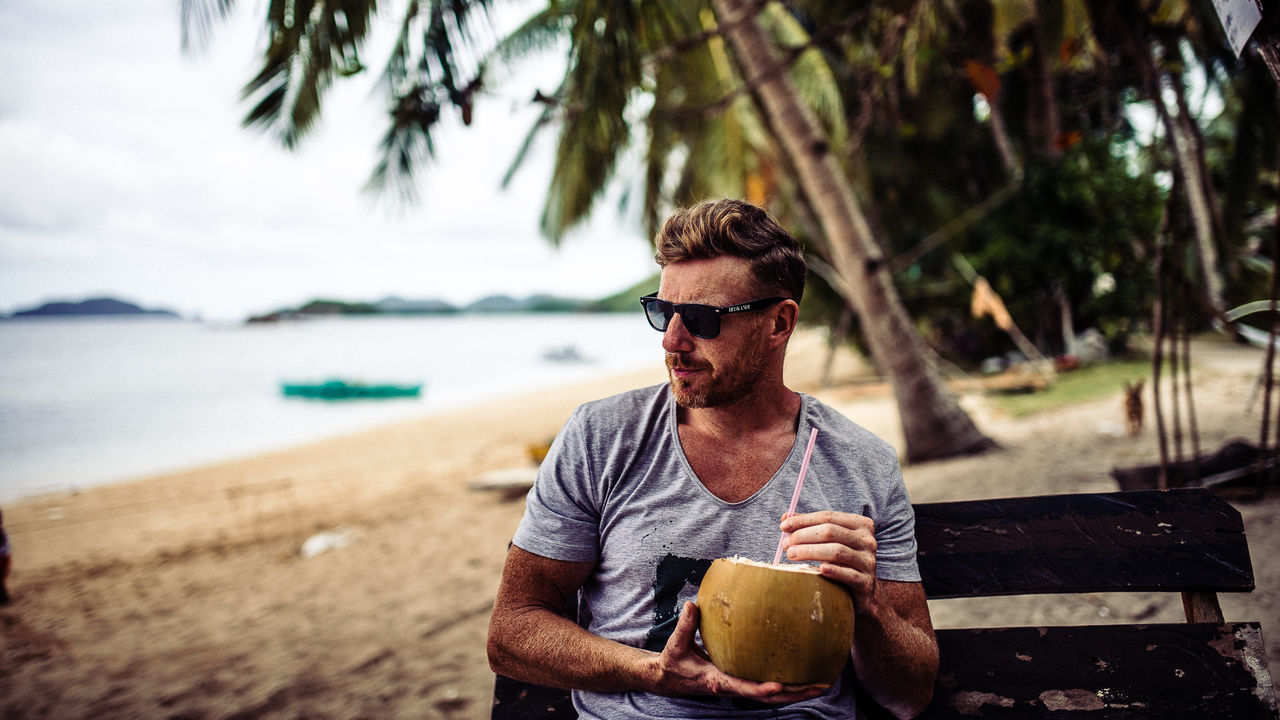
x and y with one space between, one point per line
541 303
400 306
625 300
92 307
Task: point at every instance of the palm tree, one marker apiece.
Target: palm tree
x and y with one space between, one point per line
701 104
934 425
673 54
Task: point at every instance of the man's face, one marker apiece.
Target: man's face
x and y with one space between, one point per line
713 373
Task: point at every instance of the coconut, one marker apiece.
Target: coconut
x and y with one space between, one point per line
783 623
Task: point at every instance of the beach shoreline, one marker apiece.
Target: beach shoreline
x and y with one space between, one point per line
289 491
373 467
81 407
189 594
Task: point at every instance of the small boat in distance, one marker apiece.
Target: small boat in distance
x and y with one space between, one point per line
338 389
564 354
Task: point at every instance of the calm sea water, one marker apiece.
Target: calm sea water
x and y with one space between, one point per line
93 401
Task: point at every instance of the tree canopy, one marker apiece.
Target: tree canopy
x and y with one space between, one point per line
1049 146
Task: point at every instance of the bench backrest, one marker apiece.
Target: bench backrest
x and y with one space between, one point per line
1187 541
1184 541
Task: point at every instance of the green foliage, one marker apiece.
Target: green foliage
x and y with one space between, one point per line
1082 228
428 71
337 307
286 94
654 87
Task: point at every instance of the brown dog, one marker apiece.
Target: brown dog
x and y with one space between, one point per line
1133 407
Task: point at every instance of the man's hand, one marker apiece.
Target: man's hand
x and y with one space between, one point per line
530 641
844 543
895 654
683 669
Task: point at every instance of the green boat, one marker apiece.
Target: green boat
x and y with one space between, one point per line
348 390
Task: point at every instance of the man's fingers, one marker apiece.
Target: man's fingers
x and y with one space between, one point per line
852 521
713 681
687 625
681 642
777 693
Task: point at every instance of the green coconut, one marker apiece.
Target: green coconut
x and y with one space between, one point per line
783 623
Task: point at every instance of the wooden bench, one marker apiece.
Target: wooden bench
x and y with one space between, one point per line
1185 541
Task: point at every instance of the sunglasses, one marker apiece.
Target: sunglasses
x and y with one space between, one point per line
702 320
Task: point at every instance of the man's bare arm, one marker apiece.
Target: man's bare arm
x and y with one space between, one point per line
530 640
895 653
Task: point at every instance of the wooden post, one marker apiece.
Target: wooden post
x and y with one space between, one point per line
1201 607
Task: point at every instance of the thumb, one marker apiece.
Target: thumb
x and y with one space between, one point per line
686 626
688 623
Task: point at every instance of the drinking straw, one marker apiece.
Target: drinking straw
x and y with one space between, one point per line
795 494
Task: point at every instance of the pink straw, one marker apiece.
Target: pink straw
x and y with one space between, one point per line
795 494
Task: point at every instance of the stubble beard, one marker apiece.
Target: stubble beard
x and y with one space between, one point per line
716 387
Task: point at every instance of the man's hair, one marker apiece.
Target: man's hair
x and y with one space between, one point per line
731 227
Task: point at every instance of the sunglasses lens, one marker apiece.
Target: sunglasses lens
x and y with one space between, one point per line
659 313
701 321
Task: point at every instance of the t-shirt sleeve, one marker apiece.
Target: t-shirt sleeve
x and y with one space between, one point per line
562 512
896 532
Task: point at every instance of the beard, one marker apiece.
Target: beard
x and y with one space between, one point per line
716 386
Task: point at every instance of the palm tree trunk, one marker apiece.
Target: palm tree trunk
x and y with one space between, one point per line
1157 359
1187 163
1043 110
934 425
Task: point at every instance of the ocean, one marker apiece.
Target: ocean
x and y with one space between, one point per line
89 401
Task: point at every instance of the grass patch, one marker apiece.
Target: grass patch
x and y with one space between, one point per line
1077 386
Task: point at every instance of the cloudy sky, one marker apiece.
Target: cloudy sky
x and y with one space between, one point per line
124 171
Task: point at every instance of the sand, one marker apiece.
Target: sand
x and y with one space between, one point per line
189 595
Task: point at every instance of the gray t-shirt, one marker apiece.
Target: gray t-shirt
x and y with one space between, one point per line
616 490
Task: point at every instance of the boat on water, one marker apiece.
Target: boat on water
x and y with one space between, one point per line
564 354
338 389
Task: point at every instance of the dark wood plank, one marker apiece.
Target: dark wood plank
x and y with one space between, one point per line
515 700
1198 671
1128 541
1192 670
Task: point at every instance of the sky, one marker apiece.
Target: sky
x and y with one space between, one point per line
124 171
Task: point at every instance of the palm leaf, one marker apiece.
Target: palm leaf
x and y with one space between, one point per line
603 69
810 72
198 18
428 69
310 42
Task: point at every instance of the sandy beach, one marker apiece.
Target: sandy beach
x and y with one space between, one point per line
189 595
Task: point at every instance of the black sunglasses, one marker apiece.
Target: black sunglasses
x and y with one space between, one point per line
702 320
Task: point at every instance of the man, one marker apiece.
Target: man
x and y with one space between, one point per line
641 491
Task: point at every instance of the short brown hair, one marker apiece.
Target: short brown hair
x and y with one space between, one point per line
714 228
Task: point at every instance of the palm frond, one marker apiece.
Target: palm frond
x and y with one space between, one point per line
406 145
603 71
310 42
542 31
545 120
428 69
813 77
198 18
397 66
